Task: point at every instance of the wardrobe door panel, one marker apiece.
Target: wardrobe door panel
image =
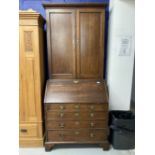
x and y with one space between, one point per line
61 43
28 72
90 43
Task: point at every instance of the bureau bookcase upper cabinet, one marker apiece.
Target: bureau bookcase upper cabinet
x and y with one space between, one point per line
75 37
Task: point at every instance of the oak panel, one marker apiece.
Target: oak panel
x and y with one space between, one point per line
54 115
77 107
62 47
57 124
76 135
90 42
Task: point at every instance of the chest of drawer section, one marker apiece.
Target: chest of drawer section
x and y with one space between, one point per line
76 122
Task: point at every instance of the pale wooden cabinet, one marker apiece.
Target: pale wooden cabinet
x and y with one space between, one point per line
31 78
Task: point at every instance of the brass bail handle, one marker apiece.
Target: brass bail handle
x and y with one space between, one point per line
62 125
92 124
91 114
61 114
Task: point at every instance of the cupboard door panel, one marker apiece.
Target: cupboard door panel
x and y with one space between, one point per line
90 43
62 47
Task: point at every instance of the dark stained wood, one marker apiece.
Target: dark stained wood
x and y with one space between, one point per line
48 147
75 39
75 91
77 107
77 135
76 124
54 115
70 120
105 145
90 41
76 99
61 47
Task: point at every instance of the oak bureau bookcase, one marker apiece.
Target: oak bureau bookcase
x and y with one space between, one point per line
76 100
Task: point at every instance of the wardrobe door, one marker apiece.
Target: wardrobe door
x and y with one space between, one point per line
61 43
90 43
28 74
31 79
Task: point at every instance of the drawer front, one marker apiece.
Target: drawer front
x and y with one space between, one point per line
77 107
28 130
76 124
53 115
76 135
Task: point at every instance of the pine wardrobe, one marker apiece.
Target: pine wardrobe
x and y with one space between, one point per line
32 79
76 97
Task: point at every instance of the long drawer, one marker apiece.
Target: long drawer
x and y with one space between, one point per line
76 124
76 107
76 135
54 115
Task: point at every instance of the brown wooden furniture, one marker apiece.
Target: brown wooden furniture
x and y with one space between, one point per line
76 112
31 79
75 36
76 101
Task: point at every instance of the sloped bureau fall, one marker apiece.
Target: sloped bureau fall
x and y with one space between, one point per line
76 112
76 99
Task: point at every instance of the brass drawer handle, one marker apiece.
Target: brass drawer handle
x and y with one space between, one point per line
91 135
77 106
92 124
61 115
91 107
61 125
76 114
77 132
62 107
77 123
23 130
91 114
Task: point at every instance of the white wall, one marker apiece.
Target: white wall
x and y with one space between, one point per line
120 68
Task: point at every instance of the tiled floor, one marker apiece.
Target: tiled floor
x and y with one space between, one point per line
76 150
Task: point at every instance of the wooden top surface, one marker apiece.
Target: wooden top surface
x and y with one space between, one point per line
46 5
33 17
75 91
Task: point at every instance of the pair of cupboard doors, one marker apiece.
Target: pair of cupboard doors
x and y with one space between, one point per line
75 38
